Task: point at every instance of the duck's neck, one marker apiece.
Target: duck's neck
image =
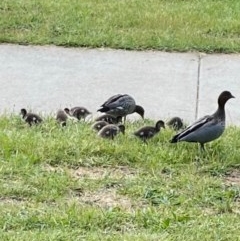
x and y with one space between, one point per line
220 113
157 128
24 114
139 109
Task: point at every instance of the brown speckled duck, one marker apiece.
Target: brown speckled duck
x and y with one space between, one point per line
175 123
121 105
78 112
98 125
111 119
207 128
62 117
148 132
110 131
30 118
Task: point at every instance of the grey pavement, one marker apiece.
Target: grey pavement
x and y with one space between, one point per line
46 78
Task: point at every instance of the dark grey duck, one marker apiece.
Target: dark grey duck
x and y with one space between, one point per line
110 131
207 128
148 132
175 123
62 117
30 118
121 105
98 125
78 112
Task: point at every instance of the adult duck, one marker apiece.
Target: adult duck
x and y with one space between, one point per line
207 128
121 105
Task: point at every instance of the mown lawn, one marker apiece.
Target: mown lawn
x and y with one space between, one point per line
171 25
68 184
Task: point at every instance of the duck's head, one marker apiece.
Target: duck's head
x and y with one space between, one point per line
119 119
64 123
224 97
122 128
139 109
160 124
23 112
87 112
67 110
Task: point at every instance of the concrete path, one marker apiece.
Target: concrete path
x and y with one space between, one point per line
165 84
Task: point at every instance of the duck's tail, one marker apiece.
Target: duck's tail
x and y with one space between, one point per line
174 139
104 109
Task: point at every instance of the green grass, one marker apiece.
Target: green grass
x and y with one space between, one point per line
68 184
171 25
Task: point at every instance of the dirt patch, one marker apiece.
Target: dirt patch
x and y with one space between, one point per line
50 168
209 211
108 198
101 172
95 173
11 200
233 178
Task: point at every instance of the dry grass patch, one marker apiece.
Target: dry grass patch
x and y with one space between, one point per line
11 200
96 173
232 178
108 198
50 168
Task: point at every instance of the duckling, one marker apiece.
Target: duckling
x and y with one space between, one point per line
121 105
110 131
78 112
30 118
175 123
98 125
148 132
207 128
111 119
62 117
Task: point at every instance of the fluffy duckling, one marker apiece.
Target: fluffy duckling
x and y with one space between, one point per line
111 119
110 131
175 123
207 128
99 125
30 118
62 117
148 132
121 105
78 112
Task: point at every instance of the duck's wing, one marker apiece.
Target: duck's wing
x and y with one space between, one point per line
111 104
145 131
112 99
33 117
200 123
